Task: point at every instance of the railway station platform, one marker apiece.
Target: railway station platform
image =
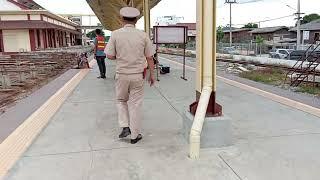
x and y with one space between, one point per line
271 140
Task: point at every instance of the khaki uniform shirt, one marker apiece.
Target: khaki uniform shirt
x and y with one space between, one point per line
130 46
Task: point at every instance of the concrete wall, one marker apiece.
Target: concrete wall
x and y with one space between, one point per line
238 36
35 17
7 6
312 37
59 23
14 17
269 36
15 40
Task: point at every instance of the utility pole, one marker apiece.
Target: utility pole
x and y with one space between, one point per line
230 2
298 25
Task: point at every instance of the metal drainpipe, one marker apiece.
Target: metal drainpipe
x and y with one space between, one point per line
207 36
198 123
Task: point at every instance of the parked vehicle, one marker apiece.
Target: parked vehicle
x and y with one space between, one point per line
301 55
297 54
280 53
229 50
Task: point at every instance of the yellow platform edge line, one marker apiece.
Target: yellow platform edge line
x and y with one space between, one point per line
276 98
13 147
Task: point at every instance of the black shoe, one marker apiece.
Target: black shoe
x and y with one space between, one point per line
104 77
134 141
99 77
125 132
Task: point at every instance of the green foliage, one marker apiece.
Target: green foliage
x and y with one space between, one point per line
309 90
276 77
250 25
92 34
220 34
259 40
309 18
267 76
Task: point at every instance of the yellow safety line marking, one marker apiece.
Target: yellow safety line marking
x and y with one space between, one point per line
282 100
13 147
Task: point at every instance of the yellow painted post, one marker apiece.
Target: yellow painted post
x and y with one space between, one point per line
214 46
199 59
146 15
206 44
206 73
206 55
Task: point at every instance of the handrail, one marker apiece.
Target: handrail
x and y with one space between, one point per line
305 53
302 57
305 56
308 67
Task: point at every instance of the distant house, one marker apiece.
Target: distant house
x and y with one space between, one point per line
272 34
238 35
310 32
192 30
192 33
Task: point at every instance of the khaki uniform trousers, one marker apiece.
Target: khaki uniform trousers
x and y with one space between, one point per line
129 98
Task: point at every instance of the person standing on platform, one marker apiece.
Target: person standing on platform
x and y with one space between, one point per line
130 48
100 56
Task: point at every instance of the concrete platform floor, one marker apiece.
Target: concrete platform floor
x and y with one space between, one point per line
272 141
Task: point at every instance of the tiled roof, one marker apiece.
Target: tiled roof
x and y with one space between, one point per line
268 29
30 4
237 30
191 26
311 26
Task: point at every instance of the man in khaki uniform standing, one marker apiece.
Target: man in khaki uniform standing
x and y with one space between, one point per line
130 48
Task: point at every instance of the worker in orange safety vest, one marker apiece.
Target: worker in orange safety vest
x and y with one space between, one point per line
100 55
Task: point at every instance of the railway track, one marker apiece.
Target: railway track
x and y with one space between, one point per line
317 73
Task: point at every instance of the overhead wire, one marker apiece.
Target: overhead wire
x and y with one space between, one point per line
266 20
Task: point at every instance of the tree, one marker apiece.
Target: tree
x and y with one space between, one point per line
220 34
92 34
250 25
309 18
259 41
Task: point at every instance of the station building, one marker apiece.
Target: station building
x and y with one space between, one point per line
26 26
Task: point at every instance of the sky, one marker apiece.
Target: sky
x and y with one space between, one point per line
242 12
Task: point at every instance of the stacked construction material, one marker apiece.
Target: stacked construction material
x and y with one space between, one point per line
20 68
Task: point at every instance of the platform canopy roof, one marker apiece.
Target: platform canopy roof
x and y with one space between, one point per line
107 11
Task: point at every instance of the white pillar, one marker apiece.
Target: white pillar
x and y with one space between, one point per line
206 44
206 71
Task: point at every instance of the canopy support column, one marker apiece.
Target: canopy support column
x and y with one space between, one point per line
146 15
205 105
206 55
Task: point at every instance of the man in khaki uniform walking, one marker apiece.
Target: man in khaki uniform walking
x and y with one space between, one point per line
130 48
